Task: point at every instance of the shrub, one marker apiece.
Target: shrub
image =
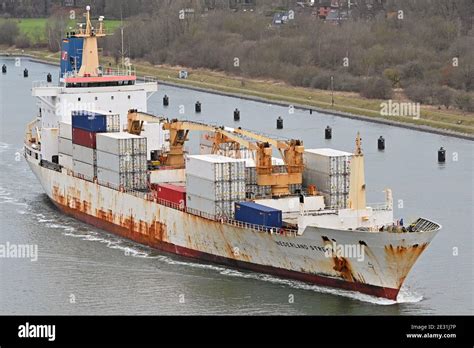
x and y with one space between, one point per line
444 96
393 75
412 70
9 31
464 102
418 93
377 88
22 41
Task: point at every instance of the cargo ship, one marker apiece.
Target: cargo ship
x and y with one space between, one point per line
104 160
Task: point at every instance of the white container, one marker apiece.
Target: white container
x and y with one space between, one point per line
237 190
110 161
84 154
255 191
139 145
65 161
212 190
113 179
328 161
209 207
209 167
215 167
84 169
65 130
139 180
139 163
65 146
167 175
118 143
112 122
128 181
237 170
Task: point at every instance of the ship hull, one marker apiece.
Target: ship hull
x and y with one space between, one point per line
388 256
234 263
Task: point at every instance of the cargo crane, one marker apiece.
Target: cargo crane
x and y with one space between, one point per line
135 120
179 131
292 154
291 151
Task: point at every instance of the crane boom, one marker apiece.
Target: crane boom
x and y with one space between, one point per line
292 152
136 118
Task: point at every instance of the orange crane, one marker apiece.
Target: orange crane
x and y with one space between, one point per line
135 120
291 151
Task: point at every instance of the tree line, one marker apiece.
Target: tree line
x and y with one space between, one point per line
423 47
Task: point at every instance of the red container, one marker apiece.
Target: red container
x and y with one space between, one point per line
83 138
171 193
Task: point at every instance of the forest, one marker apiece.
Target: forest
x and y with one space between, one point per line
424 48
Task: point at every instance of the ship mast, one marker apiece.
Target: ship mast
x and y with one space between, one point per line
357 199
90 55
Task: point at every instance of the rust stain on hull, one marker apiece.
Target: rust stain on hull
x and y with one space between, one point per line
402 258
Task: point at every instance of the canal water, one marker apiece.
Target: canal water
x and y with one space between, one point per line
83 270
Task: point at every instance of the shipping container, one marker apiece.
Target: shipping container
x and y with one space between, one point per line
65 130
129 181
139 145
84 154
120 143
167 176
257 191
65 146
89 121
66 161
331 183
237 190
327 161
84 138
139 180
172 193
86 170
125 163
209 207
257 214
97 122
113 123
212 190
215 167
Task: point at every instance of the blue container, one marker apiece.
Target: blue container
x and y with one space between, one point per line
89 121
71 55
257 214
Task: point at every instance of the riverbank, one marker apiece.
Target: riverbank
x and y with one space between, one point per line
350 105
